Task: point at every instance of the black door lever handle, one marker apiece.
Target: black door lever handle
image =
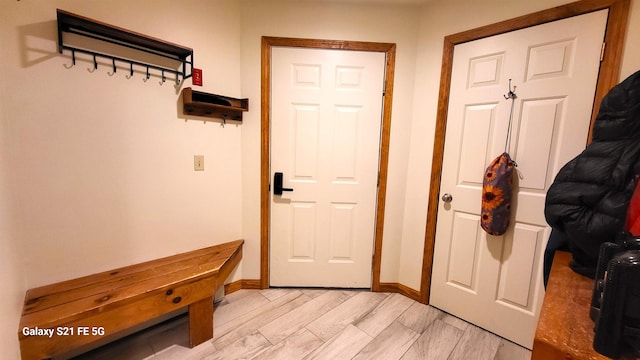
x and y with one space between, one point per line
277 184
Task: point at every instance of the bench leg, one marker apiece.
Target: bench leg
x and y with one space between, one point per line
200 321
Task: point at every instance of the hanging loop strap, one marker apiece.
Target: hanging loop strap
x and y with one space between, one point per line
511 95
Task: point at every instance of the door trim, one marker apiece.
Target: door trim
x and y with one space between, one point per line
265 131
608 77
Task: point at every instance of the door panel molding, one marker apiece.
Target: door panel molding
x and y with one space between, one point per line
608 77
265 127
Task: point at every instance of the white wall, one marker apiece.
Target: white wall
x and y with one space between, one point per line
101 168
11 267
375 23
631 54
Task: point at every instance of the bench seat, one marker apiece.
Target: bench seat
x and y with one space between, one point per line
93 309
565 330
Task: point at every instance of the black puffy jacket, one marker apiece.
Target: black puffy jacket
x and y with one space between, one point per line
589 197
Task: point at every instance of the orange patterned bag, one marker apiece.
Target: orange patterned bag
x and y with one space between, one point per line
497 188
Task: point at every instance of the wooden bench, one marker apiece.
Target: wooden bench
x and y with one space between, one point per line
565 330
73 315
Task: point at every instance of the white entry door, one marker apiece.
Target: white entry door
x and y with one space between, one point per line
495 282
325 141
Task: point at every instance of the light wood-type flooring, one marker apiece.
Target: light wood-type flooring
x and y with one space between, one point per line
318 324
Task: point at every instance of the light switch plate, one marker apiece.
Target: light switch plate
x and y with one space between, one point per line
198 162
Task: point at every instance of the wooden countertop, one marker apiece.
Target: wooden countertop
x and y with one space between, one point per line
565 330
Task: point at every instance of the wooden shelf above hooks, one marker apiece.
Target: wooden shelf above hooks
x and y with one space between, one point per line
85 27
211 105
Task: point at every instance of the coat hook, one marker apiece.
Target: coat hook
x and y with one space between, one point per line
130 72
73 60
95 65
148 75
178 81
163 78
224 120
114 68
512 92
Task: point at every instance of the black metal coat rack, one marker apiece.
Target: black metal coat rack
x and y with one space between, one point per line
82 26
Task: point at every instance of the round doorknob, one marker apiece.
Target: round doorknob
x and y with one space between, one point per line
447 197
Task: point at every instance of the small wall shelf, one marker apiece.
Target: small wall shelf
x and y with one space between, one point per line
212 105
89 28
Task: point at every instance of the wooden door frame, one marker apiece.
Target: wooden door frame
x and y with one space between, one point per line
608 77
265 125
